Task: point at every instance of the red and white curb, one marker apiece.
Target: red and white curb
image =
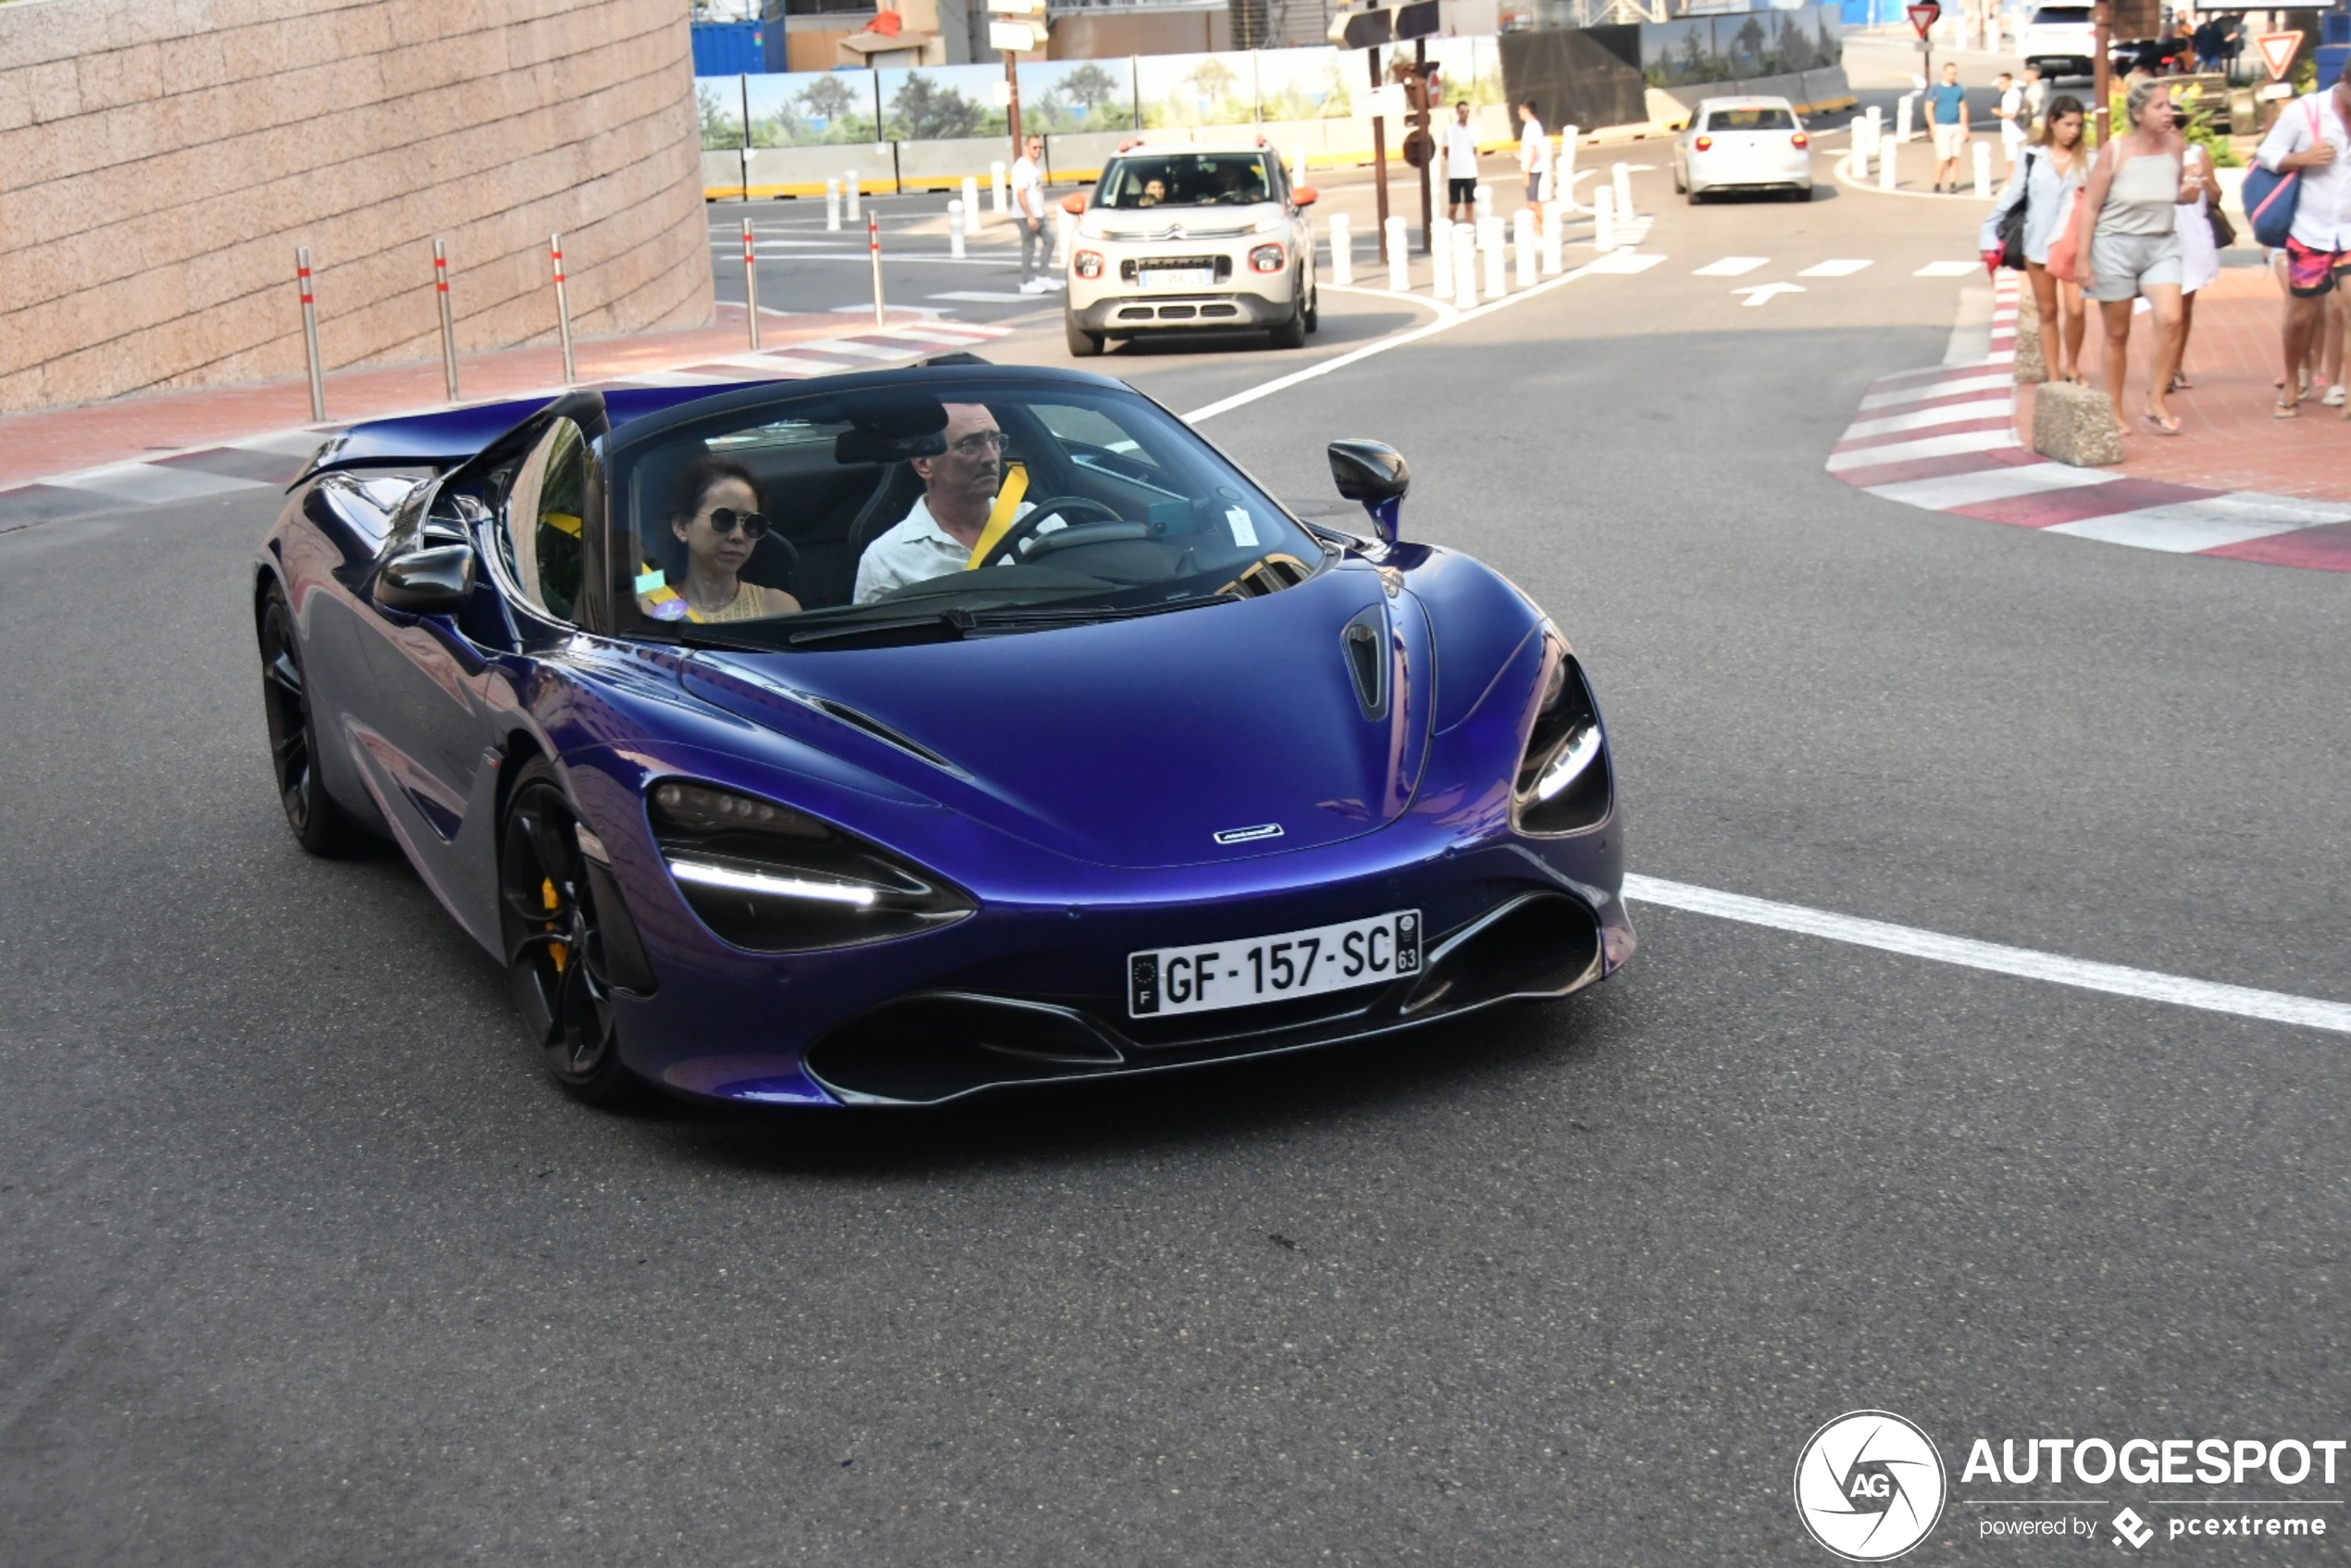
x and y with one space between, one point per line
1944 439
273 459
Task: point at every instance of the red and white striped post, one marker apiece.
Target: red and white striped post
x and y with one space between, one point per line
562 307
448 323
872 244
751 283
310 335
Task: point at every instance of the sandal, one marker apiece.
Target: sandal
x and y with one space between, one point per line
2158 424
2285 410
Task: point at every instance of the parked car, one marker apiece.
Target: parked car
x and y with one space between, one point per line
1742 144
1190 239
2061 40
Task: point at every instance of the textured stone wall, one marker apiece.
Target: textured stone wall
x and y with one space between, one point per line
161 159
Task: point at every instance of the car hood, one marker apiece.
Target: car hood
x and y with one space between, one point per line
1129 743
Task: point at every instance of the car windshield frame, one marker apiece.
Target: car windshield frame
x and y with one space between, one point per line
641 457
1111 195
1716 118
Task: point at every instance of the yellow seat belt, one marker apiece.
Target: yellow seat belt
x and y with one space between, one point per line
1000 520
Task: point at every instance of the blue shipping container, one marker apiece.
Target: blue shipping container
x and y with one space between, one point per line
731 49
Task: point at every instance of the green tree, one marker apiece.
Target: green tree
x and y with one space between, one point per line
928 112
829 98
1213 80
1089 87
722 123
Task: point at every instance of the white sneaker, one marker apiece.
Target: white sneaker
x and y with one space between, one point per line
2333 398
1034 286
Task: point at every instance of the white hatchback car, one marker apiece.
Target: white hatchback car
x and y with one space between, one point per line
1742 144
2061 40
1191 239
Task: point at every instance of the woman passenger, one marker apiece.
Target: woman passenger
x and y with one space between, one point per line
715 516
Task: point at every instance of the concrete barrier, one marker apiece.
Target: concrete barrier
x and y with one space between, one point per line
802 171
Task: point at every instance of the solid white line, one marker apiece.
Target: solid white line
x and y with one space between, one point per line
2185 526
1930 446
1947 269
1926 418
152 483
1950 386
1991 484
2144 985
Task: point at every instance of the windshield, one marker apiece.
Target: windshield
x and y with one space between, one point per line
1751 119
2062 16
1186 180
929 509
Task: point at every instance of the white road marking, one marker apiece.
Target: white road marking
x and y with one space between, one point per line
1838 266
1947 269
1732 266
1763 293
1940 387
984 296
152 482
1626 262
855 351
2186 527
1925 418
284 443
2144 985
1929 446
1991 484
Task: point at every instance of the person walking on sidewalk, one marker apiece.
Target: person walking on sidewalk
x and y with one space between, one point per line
1459 147
2311 135
1028 212
1946 112
2199 249
2127 242
2048 180
2010 114
1533 155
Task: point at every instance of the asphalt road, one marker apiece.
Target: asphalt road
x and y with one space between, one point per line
307 1264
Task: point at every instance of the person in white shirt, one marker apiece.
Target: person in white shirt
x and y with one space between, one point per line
1534 155
959 491
1029 215
1457 144
2011 115
2313 135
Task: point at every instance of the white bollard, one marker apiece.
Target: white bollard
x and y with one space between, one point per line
1877 128
1482 207
996 177
1902 119
971 204
1860 132
1489 240
1399 256
832 206
1564 168
1523 246
1440 257
1554 236
1886 158
1465 265
955 230
1983 171
1604 218
1621 177
1342 251
850 186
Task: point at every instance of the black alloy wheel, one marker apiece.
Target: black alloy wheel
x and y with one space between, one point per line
1292 333
1313 302
319 824
555 945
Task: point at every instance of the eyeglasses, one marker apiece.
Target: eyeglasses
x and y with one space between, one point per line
723 519
981 440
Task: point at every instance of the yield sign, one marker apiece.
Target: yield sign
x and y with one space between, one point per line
1925 13
2277 52
1762 293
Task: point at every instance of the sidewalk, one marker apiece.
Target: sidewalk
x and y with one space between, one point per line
51 442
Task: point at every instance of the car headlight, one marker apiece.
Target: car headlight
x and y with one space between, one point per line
1562 784
1267 258
772 880
1089 264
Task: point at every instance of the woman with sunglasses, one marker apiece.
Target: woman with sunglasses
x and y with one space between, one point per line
716 517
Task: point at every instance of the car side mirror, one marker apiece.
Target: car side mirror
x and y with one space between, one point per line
1305 195
1376 474
435 580
1075 203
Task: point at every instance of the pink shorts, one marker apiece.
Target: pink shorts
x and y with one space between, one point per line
2309 273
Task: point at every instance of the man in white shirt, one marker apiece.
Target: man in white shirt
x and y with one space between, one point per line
2010 114
2313 135
1457 144
1028 216
941 530
1533 155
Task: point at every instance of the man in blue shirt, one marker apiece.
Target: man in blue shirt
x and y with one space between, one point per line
1946 112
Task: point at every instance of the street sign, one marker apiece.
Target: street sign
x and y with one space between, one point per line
1012 38
1384 101
2277 52
1924 15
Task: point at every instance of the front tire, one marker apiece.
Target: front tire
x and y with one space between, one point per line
1083 344
554 943
1292 333
1313 306
319 824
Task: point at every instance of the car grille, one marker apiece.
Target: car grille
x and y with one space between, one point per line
1210 312
1222 266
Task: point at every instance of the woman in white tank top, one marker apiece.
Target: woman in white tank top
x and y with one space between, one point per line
2128 240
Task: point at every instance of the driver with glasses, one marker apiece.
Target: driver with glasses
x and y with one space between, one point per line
959 498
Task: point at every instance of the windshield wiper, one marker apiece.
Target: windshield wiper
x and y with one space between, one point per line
1045 615
950 625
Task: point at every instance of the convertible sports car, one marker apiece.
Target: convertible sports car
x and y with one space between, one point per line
886 738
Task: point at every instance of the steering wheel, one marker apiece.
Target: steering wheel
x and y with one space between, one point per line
1073 510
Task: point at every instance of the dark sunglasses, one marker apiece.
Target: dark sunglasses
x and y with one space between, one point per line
723 519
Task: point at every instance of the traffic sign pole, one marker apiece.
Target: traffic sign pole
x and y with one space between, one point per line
1923 16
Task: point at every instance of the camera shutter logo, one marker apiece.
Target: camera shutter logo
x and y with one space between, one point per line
1870 1485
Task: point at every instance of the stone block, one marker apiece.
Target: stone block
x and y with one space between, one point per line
2075 425
2032 360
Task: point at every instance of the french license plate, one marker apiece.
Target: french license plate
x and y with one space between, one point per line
1176 277
1205 978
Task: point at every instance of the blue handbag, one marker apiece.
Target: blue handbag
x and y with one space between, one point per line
2270 198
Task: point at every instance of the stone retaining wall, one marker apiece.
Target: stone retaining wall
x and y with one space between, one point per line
161 159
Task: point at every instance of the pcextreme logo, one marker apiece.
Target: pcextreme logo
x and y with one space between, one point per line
1870 1485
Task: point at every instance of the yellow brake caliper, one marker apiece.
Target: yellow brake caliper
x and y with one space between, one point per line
547 891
